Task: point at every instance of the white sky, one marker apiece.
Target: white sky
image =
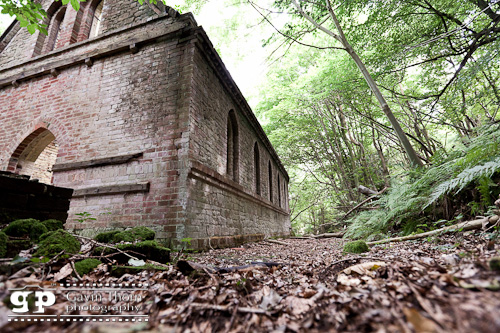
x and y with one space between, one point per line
243 56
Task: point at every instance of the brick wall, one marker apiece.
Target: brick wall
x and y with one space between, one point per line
140 116
220 205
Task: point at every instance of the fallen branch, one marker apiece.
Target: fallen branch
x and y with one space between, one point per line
363 202
464 226
299 237
187 267
104 245
204 306
276 241
329 235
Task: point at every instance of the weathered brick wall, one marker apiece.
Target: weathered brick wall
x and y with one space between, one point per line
219 206
117 14
140 117
121 104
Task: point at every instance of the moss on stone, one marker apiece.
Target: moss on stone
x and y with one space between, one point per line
107 236
119 271
53 225
53 242
3 244
26 227
134 234
148 249
86 265
356 247
495 264
14 246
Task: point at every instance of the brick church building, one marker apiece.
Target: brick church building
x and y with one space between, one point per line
131 106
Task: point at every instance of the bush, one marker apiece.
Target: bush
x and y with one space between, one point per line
356 247
134 234
53 242
106 237
27 227
86 266
3 244
53 225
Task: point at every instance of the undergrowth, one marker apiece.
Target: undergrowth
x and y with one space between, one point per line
459 182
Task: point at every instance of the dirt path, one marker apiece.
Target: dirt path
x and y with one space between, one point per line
436 285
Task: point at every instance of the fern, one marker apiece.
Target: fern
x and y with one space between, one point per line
472 161
464 178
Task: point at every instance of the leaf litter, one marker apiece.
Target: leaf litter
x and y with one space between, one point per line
437 285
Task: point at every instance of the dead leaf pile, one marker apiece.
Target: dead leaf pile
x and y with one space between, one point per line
436 285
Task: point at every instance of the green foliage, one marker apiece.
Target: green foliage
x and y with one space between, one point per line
3 244
26 227
134 234
107 236
86 266
53 225
495 264
53 242
356 247
84 217
416 201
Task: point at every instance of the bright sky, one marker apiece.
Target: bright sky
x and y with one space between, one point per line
241 52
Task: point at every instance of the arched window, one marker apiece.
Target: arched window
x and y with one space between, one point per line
55 30
35 156
256 167
233 156
96 20
46 43
270 172
279 191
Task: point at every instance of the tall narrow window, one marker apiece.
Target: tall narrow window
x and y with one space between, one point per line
233 156
55 30
256 167
279 191
96 20
270 172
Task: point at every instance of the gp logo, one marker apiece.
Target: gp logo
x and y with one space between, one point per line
42 299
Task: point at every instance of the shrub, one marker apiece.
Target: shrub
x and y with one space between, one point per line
3 244
134 234
53 242
27 227
106 237
53 225
356 247
86 266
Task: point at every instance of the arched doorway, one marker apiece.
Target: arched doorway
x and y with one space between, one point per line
35 156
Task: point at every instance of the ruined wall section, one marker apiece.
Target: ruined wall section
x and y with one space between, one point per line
121 104
218 205
117 14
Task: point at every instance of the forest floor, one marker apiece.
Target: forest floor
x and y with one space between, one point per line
441 284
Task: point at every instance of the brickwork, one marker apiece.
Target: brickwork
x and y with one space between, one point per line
140 117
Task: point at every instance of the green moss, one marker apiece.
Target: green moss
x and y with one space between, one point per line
86 266
148 249
27 227
54 242
495 264
107 236
14 246
119 271
3 244
134 234
356 247
53 225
